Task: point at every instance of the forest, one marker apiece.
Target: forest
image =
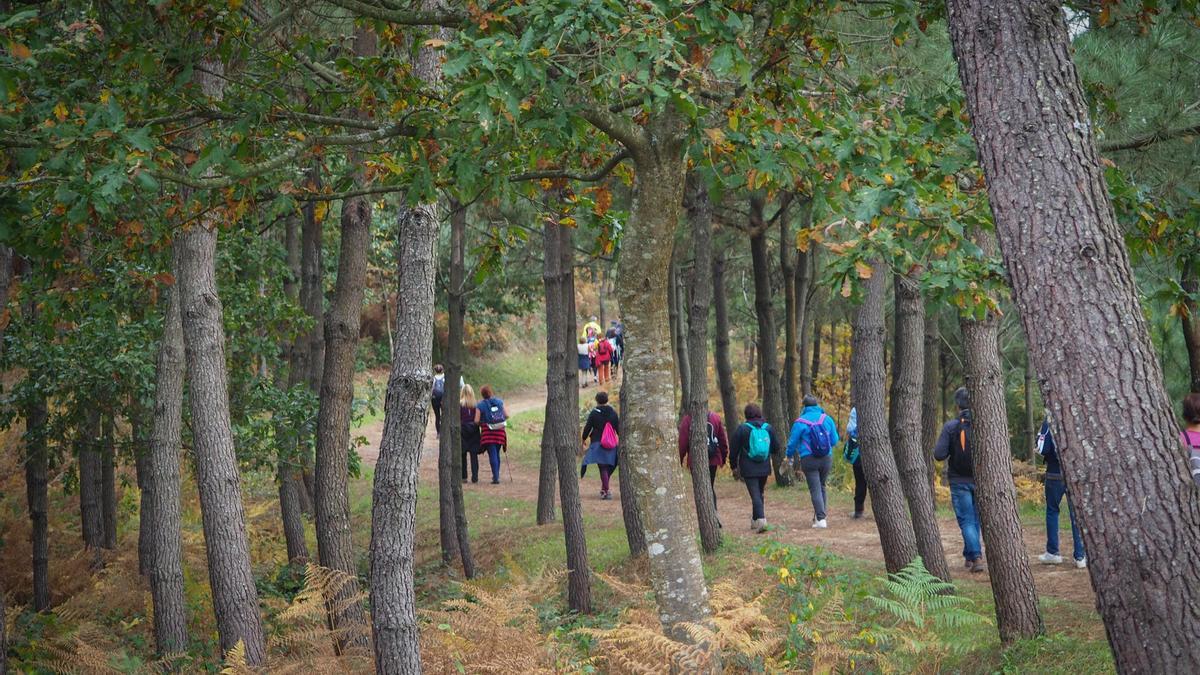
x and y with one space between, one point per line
252 252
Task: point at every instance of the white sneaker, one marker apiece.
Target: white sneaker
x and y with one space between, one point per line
1081 563
820 524
1050 558
758 524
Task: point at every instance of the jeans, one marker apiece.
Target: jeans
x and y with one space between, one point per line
493 452
860 486
756 486
962 497
816 472
605 473
1056 489
474 460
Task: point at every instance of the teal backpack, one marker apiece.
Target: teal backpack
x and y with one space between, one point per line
760 442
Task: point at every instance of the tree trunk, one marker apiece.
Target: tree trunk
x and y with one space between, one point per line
288 468
1138 510
802 281
548 470
815 370
235 600
931 393
3 634
700 216
161 500
309 353
91 479
676 297
768 365
791 356
141 455
1190 318
561 430
451 423
631 513
1013 590
1030 432
908 370
36 480
879 464
108 486
833 348
721 360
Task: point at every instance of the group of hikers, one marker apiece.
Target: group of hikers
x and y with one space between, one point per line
600 352
483 423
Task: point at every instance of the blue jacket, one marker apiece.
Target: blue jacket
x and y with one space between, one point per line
799 441
1049 452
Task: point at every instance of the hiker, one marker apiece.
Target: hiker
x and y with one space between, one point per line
601 441
470 432
591 329
492 418
814 434
594 357
614 338
854 457
585 363
753 444
954 447
1191 433
604 360
439 390
1056 489
718 447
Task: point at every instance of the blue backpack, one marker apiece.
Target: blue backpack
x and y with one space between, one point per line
819 442
760 442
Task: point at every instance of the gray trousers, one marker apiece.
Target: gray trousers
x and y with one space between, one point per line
816 472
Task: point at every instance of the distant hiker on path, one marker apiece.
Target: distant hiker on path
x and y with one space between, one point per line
618 344
602 441
604 360
1191 435
1056 489
591 330
954 447
814 434
854 457
470 432
753 444
492 418
585 362
439 391
718 446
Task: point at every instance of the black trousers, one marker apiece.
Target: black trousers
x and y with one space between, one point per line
860 486
756 486
712 482
474 459
437 413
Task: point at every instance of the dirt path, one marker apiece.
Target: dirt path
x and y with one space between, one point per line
788 510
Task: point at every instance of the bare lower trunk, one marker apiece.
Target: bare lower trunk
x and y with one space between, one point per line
700 217
879 464
1013 590
631 513
1030 431
451 422
108 484
931 392
1190 318
288 467
815 370
677 300
805 261
768 365
3 633
91 479
791 356
309 352
547 472
721 360
137 434
36 470
1138 510
908 367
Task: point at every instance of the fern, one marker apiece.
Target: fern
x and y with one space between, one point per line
926 617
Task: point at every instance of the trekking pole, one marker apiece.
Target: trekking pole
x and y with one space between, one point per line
506 466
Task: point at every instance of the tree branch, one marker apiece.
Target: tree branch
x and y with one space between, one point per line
1151 138
402 17
599 174
620 128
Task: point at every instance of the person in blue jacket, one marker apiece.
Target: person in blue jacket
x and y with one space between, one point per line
1056 489
854 457
814 434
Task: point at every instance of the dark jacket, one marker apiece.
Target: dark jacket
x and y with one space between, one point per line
593 429
470 430
685 430
945 442
1049 450
739 444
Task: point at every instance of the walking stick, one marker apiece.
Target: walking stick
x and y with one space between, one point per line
509 468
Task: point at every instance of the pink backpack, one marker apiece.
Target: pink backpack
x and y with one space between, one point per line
608 438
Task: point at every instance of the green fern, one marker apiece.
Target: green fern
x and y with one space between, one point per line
927 614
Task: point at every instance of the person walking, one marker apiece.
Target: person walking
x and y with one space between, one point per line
615 343
604 360
814 435
436 395
718 447
492 419
1056 489
585 363
1191 433
954 448
470 432
854 457
753 444
602 441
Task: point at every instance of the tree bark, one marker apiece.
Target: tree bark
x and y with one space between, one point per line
309 353
1030 431
288 468
908 370
561 430
451 442
815 370
1190 318
791 347
676 299
721 360
802 280
1138 510
879 464
700 217
1013 590
108 485
768 365
3 634
931 393
548 470
141 453
631 513
36 480
91 479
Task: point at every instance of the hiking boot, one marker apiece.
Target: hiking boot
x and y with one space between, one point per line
1050 558
820 524
758 524
976 565
1081 563
857 515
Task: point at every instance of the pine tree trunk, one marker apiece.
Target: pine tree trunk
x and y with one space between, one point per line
721 360
288 468
879 464
1030 431
815 370
1013 590
108 485
631 513
36 480
768 365
802 282
309 352
406 411
548 470
931 393
561 430
676 299
1190 318
451 423
908 368
791 347
3 633
141 454
700 217
1138 510
161 501
91 480
235 600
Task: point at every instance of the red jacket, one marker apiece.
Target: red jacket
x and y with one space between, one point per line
685 429
603 351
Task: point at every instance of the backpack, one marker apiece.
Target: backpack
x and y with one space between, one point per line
960 449
608 438
439 387
819 442
493 414
850 454
759 447
714 443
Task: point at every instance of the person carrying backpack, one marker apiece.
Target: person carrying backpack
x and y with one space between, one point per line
954 448
602 441
854 457
1056 489
469 440
492 419
604 360
814 434
436 395
718 446
1191 433
753 444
